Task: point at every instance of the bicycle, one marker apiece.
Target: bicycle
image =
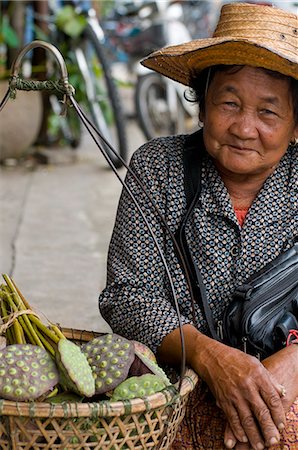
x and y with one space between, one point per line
160 103
90 73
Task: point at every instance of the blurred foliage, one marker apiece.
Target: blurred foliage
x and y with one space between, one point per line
70 22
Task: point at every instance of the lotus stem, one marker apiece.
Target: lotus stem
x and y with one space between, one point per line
52 336
57 331
45 342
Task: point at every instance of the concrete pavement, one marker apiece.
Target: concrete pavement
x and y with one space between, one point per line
56 223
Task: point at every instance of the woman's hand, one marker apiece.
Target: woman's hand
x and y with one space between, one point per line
283 367
245 390
242 386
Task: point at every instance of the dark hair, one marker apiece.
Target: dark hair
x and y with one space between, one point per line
198 85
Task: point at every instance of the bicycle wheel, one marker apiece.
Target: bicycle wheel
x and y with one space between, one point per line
156 115
98 94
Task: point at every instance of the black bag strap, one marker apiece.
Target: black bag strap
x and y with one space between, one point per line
192 162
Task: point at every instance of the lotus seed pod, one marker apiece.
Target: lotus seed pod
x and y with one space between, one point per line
154 368
144 350
27 372
75 372
110 357
138 387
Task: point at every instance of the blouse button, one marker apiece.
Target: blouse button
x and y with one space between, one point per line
234 251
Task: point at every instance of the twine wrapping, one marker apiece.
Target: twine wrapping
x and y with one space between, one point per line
9 320
58 86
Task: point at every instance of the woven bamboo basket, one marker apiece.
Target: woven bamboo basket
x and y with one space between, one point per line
147 423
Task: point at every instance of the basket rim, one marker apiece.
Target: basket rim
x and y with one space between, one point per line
103 408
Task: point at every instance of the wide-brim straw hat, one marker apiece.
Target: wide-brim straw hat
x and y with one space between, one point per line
246 34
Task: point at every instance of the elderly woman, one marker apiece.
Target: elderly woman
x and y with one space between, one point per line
245 79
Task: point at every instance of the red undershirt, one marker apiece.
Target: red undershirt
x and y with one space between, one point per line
241 214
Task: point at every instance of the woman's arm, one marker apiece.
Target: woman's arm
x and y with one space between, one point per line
242 386
137 301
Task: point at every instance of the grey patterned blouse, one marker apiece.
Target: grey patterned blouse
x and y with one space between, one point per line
137 301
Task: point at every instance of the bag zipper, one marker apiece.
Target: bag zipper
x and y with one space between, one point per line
272 311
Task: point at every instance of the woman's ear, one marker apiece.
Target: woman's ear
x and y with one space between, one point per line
201 116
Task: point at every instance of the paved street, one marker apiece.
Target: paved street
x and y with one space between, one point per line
56 222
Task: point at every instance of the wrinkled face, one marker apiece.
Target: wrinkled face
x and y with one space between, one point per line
248 121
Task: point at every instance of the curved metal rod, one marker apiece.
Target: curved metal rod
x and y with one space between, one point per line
5 99
47 46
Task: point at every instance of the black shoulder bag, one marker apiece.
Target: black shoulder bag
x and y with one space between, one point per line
265 308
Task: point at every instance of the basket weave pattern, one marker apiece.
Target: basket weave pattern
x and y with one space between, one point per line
148 423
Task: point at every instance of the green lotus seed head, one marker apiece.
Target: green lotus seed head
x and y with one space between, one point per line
142 349
75 368
154 367
141 386
21 383
104 362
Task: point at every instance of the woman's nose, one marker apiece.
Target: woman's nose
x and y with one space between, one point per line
244 125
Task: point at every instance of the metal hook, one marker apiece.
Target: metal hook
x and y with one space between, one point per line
47 46
38 85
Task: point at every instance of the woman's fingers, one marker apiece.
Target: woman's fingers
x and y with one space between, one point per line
234 431
253 421
230 438
231 441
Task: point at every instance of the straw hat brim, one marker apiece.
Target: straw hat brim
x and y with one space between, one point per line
180 62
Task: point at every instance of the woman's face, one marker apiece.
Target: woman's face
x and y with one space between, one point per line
248 121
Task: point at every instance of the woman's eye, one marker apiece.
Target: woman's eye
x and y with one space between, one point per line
231 104
268 112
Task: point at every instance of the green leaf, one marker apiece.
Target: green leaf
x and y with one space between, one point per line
8 34
70 22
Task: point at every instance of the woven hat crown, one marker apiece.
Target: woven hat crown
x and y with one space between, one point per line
263 24
246 34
